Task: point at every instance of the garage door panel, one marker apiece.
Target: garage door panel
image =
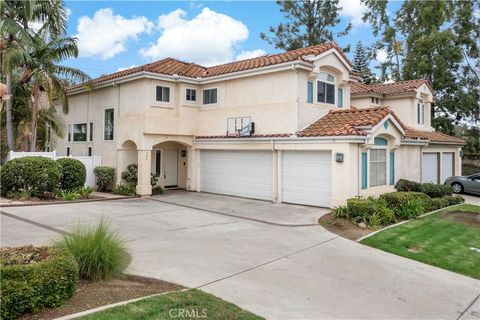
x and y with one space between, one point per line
239 173
306 177
430 167
447 165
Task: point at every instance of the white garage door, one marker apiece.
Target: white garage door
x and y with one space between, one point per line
430 167
239 173
447 165
307 177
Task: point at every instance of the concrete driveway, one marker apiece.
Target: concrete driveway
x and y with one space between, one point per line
281 272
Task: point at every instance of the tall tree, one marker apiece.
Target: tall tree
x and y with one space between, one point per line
361 64
308 22
437 41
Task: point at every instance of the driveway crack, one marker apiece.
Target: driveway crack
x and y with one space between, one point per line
268 262
37 224
469 306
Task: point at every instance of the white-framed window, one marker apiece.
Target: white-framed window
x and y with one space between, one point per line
375 100
378 167
162 94
420 112
326 88
79 132
191 95
210 96
108 124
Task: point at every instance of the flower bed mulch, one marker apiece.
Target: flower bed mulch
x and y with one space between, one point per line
91 295
343 227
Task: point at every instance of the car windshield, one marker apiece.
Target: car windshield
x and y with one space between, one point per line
474 176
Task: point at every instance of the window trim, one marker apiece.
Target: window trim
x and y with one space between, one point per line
335 87
196 96
103 131
169 94
218 96
378 147
420 112
73 133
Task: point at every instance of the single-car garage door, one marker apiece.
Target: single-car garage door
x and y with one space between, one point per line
430 167
238 173
447 165
307 177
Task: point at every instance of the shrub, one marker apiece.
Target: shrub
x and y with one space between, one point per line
99 251
33 175
395 200
69 195
454 200
437 203
74 173
157 190
47 278
373 212
436 190
125 190
104 176
340 212
411 209
85 192
130 176
407 185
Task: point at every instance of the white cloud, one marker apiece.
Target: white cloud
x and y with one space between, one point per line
353 10
105 35
126 68
209 38
382 55
242 55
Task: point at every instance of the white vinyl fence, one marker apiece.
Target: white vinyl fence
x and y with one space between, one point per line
89 162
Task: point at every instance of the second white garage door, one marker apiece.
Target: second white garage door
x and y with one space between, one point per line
307 177
238 173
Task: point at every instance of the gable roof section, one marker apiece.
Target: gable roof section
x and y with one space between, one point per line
347 122
433 136
170 66
388 88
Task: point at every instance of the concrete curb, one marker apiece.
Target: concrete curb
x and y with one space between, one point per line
113 305
406 221
8 205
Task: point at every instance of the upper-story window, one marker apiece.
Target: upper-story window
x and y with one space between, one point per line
191 95
326 88
80 132
210 96
108 126
162 94
375 100
420 112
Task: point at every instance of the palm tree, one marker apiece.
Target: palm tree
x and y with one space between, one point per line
16 35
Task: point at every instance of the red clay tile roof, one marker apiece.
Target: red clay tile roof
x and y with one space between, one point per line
432 136
170 66
274 135
387 88
347 122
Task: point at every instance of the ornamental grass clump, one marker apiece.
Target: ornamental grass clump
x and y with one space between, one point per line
99 251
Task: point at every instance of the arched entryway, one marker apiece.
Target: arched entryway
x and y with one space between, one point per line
170 164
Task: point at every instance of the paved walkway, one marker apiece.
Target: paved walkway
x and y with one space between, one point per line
471 199
275 271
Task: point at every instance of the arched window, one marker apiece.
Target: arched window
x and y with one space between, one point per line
326 88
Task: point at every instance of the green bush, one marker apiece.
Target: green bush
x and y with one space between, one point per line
69 195
407 185
157 190
74 173
99 251
29 286
395 200
437 203
454 200
130 176
436 190
125 190
373 212
84 192
104 177
32 175
411 209
340 212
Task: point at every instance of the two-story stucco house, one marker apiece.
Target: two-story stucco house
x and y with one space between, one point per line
291 127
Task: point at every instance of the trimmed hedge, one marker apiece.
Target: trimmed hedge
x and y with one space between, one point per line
104 177
30 175
30 287
436 190
373 212
408 185
395 200
74 173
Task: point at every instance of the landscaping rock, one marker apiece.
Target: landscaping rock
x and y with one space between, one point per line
362 225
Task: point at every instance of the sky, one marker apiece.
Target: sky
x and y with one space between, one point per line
114 35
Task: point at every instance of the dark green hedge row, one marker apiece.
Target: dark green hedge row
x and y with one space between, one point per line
431 189
31 287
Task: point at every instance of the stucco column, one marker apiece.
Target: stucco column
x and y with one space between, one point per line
191 170
120 165
144 188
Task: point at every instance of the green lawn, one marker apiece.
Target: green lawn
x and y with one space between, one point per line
191 304
436 240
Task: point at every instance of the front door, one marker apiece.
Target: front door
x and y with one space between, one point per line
170 167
